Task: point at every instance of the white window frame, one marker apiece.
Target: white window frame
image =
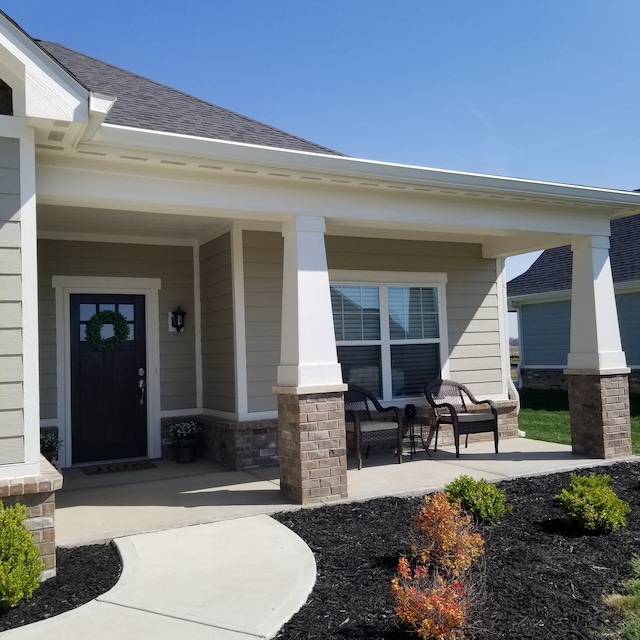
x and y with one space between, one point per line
383 280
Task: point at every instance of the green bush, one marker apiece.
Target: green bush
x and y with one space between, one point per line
20 563
591 504
483 500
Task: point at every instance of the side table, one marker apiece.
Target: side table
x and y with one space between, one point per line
416 429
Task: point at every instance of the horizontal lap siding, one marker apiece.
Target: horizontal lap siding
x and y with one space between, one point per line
628 305
472 301
263 256
216 293
546 329
172 265
11 365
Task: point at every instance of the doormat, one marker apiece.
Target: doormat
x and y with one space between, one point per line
112 467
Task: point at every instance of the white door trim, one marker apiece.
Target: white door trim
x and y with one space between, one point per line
64 286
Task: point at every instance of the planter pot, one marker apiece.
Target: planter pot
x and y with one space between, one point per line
186 450
52 457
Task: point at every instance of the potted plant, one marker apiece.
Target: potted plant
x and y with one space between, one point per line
186 440
49 445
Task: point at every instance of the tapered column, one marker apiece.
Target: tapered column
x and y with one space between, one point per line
311 429
596 366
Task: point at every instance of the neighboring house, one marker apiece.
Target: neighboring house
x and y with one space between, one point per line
123 200
542 298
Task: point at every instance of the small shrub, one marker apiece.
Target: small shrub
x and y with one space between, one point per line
428 604
591 504
483 500
450 544
20 563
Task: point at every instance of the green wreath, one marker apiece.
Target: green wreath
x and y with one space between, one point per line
93 331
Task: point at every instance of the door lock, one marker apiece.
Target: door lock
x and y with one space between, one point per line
141 386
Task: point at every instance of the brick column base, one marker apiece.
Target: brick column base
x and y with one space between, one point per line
600 416
312 448
37 493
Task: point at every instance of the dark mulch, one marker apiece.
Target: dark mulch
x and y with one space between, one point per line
542 580
82 574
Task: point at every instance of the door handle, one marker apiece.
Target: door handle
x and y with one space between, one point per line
141 386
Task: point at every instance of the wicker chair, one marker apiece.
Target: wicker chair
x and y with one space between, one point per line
451 402
358 404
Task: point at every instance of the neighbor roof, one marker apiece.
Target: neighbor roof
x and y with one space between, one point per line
552 270
145 104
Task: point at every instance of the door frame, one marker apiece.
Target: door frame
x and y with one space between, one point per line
64 286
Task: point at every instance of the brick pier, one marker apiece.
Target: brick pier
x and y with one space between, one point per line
312 447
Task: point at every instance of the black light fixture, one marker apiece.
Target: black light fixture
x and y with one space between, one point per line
177 319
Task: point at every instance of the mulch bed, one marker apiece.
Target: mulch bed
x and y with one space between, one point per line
542 580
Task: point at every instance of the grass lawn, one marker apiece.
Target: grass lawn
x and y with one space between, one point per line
544 415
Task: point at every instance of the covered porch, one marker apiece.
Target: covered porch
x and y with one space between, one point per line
98 508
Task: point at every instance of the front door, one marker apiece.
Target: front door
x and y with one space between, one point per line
108 377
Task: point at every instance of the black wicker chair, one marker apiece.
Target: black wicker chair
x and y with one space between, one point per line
451 402
367 430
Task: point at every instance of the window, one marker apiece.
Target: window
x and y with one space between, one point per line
388 336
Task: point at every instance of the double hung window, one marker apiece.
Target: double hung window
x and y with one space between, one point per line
388 336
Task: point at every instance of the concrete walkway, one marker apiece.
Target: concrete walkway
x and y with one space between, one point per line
201 558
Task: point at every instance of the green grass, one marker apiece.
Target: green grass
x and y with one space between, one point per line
544 415
627 605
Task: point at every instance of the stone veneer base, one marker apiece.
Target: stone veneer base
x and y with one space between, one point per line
600 415
37 493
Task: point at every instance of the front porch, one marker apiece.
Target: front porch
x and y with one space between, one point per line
98 508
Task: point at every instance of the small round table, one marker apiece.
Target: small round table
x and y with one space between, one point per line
416 428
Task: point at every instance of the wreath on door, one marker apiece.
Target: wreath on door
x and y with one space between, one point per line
93 331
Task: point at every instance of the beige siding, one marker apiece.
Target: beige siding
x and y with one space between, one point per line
472 301
216 292
11 366
174 267
263 253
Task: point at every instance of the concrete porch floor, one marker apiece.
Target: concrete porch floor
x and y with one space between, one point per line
99 508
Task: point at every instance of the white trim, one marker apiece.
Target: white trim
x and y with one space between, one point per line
398 279
113 238
148 287
29 279
197 313
503 325
178 413
239 320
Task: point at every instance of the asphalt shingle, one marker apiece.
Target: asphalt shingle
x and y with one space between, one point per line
145 104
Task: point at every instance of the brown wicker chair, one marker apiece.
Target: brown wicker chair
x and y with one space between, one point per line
451 402
366 430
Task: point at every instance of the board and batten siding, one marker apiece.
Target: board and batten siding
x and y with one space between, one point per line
628 305
216 299
263 264
11 363
174 267
546 330
472 300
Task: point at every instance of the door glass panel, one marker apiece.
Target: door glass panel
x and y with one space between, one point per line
106 331
86 311
127 311
83 334
131 329
107 307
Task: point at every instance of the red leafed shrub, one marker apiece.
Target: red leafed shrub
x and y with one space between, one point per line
430 605
449 541
430 590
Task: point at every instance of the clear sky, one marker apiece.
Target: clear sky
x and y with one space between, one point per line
545 89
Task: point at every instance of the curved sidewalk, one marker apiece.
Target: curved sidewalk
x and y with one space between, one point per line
238 579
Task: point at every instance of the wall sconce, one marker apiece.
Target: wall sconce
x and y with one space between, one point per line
177 319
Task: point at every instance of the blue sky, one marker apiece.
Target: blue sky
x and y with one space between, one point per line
545 89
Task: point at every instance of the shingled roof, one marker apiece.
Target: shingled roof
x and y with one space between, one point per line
145 104
552 270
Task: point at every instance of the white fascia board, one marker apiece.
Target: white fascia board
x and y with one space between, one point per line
625 202
50 92
99 107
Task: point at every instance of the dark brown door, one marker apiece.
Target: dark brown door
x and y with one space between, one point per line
108 384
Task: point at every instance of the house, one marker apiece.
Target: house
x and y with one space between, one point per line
125 202
542 298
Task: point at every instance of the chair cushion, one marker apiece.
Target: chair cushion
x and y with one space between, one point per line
468 417
367 426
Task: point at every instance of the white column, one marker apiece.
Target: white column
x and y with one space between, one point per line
308 356
595 335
